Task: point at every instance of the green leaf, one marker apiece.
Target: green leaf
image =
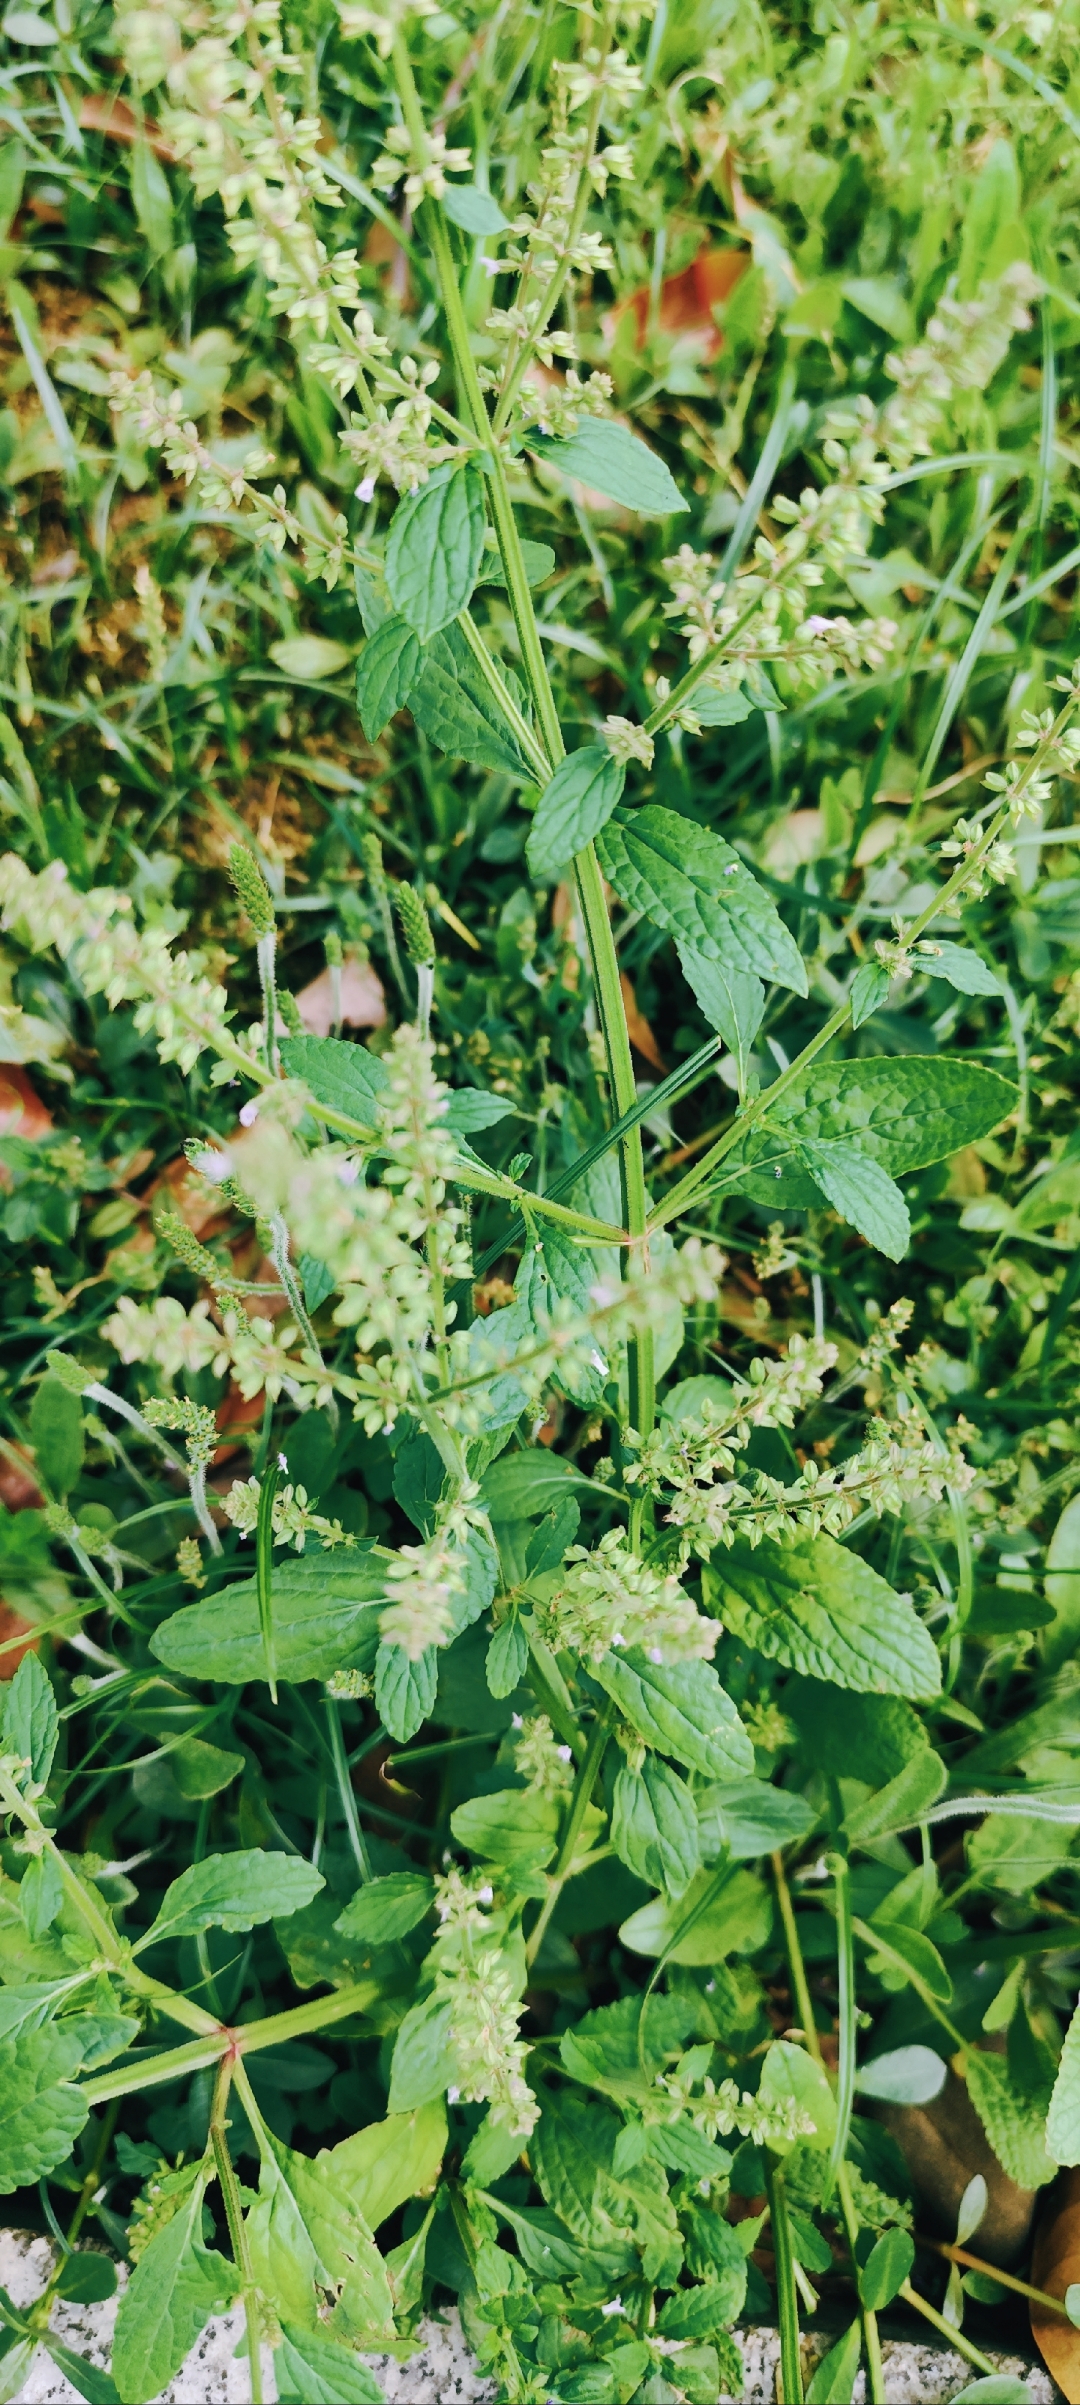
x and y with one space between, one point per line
386 672
1063 2119
611 460
868 1737
345 1077
380 2167
434 547
405 1691
735 1917
569 2148
654 1826
312 2370
310 658
152 200
473 210
905 1113
468 1111
424 2062
520 1486
1015 2125
348 2261
833 2382
720 706
326 1618
1002 2388
731 1000
862 1192
40 2113
743 1818
452 703
538 560
517 1827
41 1894
681 1708
175 2287
869 989
87 2279
572 809
964 970
909 1950
816 1607
909 2075
30 1724
57 1435
685 879
701 2311
201 1770
234 1891
88 2380
507 1657
790 2075
621 2047
901 1804
886 2268
387 1909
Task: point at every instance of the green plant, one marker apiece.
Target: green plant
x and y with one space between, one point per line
687 1563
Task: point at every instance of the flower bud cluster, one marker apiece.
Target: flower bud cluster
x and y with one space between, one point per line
610 1598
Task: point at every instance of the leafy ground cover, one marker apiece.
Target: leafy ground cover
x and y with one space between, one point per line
540 1195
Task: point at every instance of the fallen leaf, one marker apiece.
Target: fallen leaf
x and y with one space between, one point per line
638 1028
1055 2263
98 114
944 2145
363 1003
22 1111
17 1637
687 301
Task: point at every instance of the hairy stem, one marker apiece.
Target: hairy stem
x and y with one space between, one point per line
588 1773
787 2299
234 2215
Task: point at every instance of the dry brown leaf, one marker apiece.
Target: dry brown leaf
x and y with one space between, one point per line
99 114
363 1003
638 1028
944 2144
1055 2264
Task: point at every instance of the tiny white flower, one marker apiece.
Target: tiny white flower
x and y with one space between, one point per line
516 1721
564 1753
365 490
655 1654
452 2095
215 1165
249 1114
281 1462
618 1638
615 2306
485 1895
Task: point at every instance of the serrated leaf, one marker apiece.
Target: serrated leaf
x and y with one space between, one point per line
1063 2119
234 1891
538 560
572 809
424 2063
41 1894
520 1486
905 1113
681 1708
720 706
175 2287
791 2076
899 1804
613 461
621 2047
456 710
962 969
387 1909
469 1111
87 2379
312 2370
516 1826
1014 2123
386 672
405 1691
381 2166
30 1724
862 1192
742 1818
348 2261
57 1435
716 1917
326 1618
730 999
869 989
434 547
40 2114
690 882
569 2148
818 1608
472 209
654 1826
345 1077
507 1657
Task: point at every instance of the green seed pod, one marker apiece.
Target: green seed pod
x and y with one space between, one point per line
333 951
181 1240
373 862
415 926
287 1010
251 888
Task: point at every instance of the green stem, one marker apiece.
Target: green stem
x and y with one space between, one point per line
845 1965
990 2271
947 2329
234 2215
609 999
800 1986
787 2301
345 1791
264 1570
501 694
580 1800
249 2038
